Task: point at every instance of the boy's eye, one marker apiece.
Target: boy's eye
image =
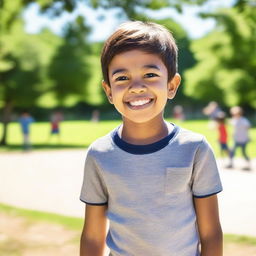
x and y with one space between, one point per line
148 75
121 78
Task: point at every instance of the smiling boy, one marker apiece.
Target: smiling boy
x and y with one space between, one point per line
155 182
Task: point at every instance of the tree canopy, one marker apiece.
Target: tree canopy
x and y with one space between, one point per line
225 69
69 68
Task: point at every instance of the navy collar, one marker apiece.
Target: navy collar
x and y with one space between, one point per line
143 149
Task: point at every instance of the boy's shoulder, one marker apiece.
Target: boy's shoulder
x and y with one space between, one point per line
192 140
102 144
187 136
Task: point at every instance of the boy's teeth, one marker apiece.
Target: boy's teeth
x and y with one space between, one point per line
139 102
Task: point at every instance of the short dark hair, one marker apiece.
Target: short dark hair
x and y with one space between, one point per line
146 36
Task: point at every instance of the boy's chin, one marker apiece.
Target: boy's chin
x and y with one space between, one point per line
142 119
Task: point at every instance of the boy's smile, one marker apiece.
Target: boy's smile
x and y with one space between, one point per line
139 103
139 86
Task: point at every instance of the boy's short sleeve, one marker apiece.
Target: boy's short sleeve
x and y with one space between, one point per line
206 180
93 190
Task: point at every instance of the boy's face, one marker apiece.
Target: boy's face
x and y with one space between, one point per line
139 86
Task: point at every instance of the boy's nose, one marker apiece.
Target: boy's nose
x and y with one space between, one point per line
137 87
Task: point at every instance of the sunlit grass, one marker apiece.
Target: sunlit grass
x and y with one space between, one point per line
80 134
74 134
68 222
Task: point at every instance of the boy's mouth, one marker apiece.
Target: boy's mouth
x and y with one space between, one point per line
139 103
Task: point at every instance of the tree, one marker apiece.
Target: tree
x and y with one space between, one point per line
69 69
19 82
133 8
226 59
22 70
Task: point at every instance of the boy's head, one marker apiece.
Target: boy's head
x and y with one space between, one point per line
146 36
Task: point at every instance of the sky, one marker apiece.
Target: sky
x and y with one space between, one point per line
195 26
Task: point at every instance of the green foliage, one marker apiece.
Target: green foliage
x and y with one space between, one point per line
25 78
94 93
10 11
225 71
69 69
133 8
19 82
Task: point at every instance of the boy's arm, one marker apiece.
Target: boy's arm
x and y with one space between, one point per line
209 225
94 231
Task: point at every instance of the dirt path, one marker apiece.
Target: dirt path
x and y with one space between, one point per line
22 237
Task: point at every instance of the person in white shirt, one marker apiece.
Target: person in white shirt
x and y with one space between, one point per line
241 126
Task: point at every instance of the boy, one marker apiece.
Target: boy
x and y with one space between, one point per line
155 182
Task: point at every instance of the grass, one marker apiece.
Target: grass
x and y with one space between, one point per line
72 223
77 223
74 134
230 238
80 134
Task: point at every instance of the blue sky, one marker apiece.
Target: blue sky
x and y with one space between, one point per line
195 26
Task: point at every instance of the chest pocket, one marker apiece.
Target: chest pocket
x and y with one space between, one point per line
177 179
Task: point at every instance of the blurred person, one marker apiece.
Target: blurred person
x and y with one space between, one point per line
212 110
178 113
241 126
55 120
222 133
25 121
95 116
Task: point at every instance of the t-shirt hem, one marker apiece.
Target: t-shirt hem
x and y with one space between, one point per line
96 204
207 195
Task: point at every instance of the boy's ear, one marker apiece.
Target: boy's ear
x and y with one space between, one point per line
107 90
173 86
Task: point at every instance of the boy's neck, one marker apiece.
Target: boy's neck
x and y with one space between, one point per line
144 133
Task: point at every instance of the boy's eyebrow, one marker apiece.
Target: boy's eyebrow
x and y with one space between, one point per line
152 66
118 70
145 66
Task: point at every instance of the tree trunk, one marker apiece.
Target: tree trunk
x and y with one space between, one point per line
7 111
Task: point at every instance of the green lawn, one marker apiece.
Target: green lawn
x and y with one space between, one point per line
73 223
74 134
79 134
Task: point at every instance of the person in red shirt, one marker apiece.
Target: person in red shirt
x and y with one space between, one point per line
222 133
56 119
